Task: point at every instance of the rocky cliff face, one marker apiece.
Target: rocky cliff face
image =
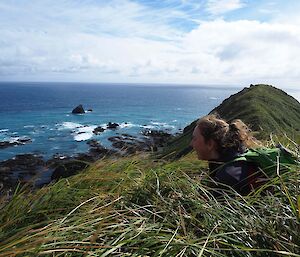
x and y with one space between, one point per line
264 108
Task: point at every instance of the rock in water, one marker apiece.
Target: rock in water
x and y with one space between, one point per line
98 130
112 125
15 142
79 109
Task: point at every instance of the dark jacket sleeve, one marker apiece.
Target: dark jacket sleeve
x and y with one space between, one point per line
238 175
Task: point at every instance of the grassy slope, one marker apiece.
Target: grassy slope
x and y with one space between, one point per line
138 206
141 207
264 108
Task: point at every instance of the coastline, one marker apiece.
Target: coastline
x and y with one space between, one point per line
35 171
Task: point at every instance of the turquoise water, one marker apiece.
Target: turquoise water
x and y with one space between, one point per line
42 112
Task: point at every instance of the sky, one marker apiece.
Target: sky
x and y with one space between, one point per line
203 42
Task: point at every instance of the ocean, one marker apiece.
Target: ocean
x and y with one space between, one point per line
41 112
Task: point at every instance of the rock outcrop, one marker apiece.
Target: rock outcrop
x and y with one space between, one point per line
68 168
98 130
78 110
152 140
24 167
158 137
19 169
15 142
111 125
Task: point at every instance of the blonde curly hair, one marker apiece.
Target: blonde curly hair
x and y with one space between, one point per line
235 135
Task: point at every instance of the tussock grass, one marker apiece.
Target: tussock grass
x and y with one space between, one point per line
138 206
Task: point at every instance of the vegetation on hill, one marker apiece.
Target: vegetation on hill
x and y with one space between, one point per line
266 109
141 206
138 206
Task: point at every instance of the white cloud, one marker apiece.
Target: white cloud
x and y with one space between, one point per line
121 41
216 7
245 50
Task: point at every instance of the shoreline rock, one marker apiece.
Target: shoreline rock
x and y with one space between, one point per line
157 137
19 169
24 167
113 125
152 140
15 142
98 130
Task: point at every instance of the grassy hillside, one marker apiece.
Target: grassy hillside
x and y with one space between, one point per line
142 207
264 108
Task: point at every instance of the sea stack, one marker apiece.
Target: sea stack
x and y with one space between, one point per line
78 110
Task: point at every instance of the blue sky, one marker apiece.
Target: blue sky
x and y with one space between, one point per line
223 42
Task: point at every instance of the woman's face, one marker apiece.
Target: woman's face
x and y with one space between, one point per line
205 149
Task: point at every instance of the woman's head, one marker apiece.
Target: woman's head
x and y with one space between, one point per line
213 136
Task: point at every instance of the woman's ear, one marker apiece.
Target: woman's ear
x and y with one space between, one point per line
211 144
212 149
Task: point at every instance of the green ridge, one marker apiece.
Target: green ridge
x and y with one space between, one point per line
266 109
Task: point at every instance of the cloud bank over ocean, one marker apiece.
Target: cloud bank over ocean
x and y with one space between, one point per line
205 42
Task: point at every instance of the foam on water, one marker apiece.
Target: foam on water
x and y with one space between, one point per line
148 127
35 132
79 132
83 137
84 133
103 125
69 125
13 139
159 125
86 129
127 125
16 139
3 134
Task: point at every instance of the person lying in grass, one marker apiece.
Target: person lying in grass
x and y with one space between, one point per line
220 143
